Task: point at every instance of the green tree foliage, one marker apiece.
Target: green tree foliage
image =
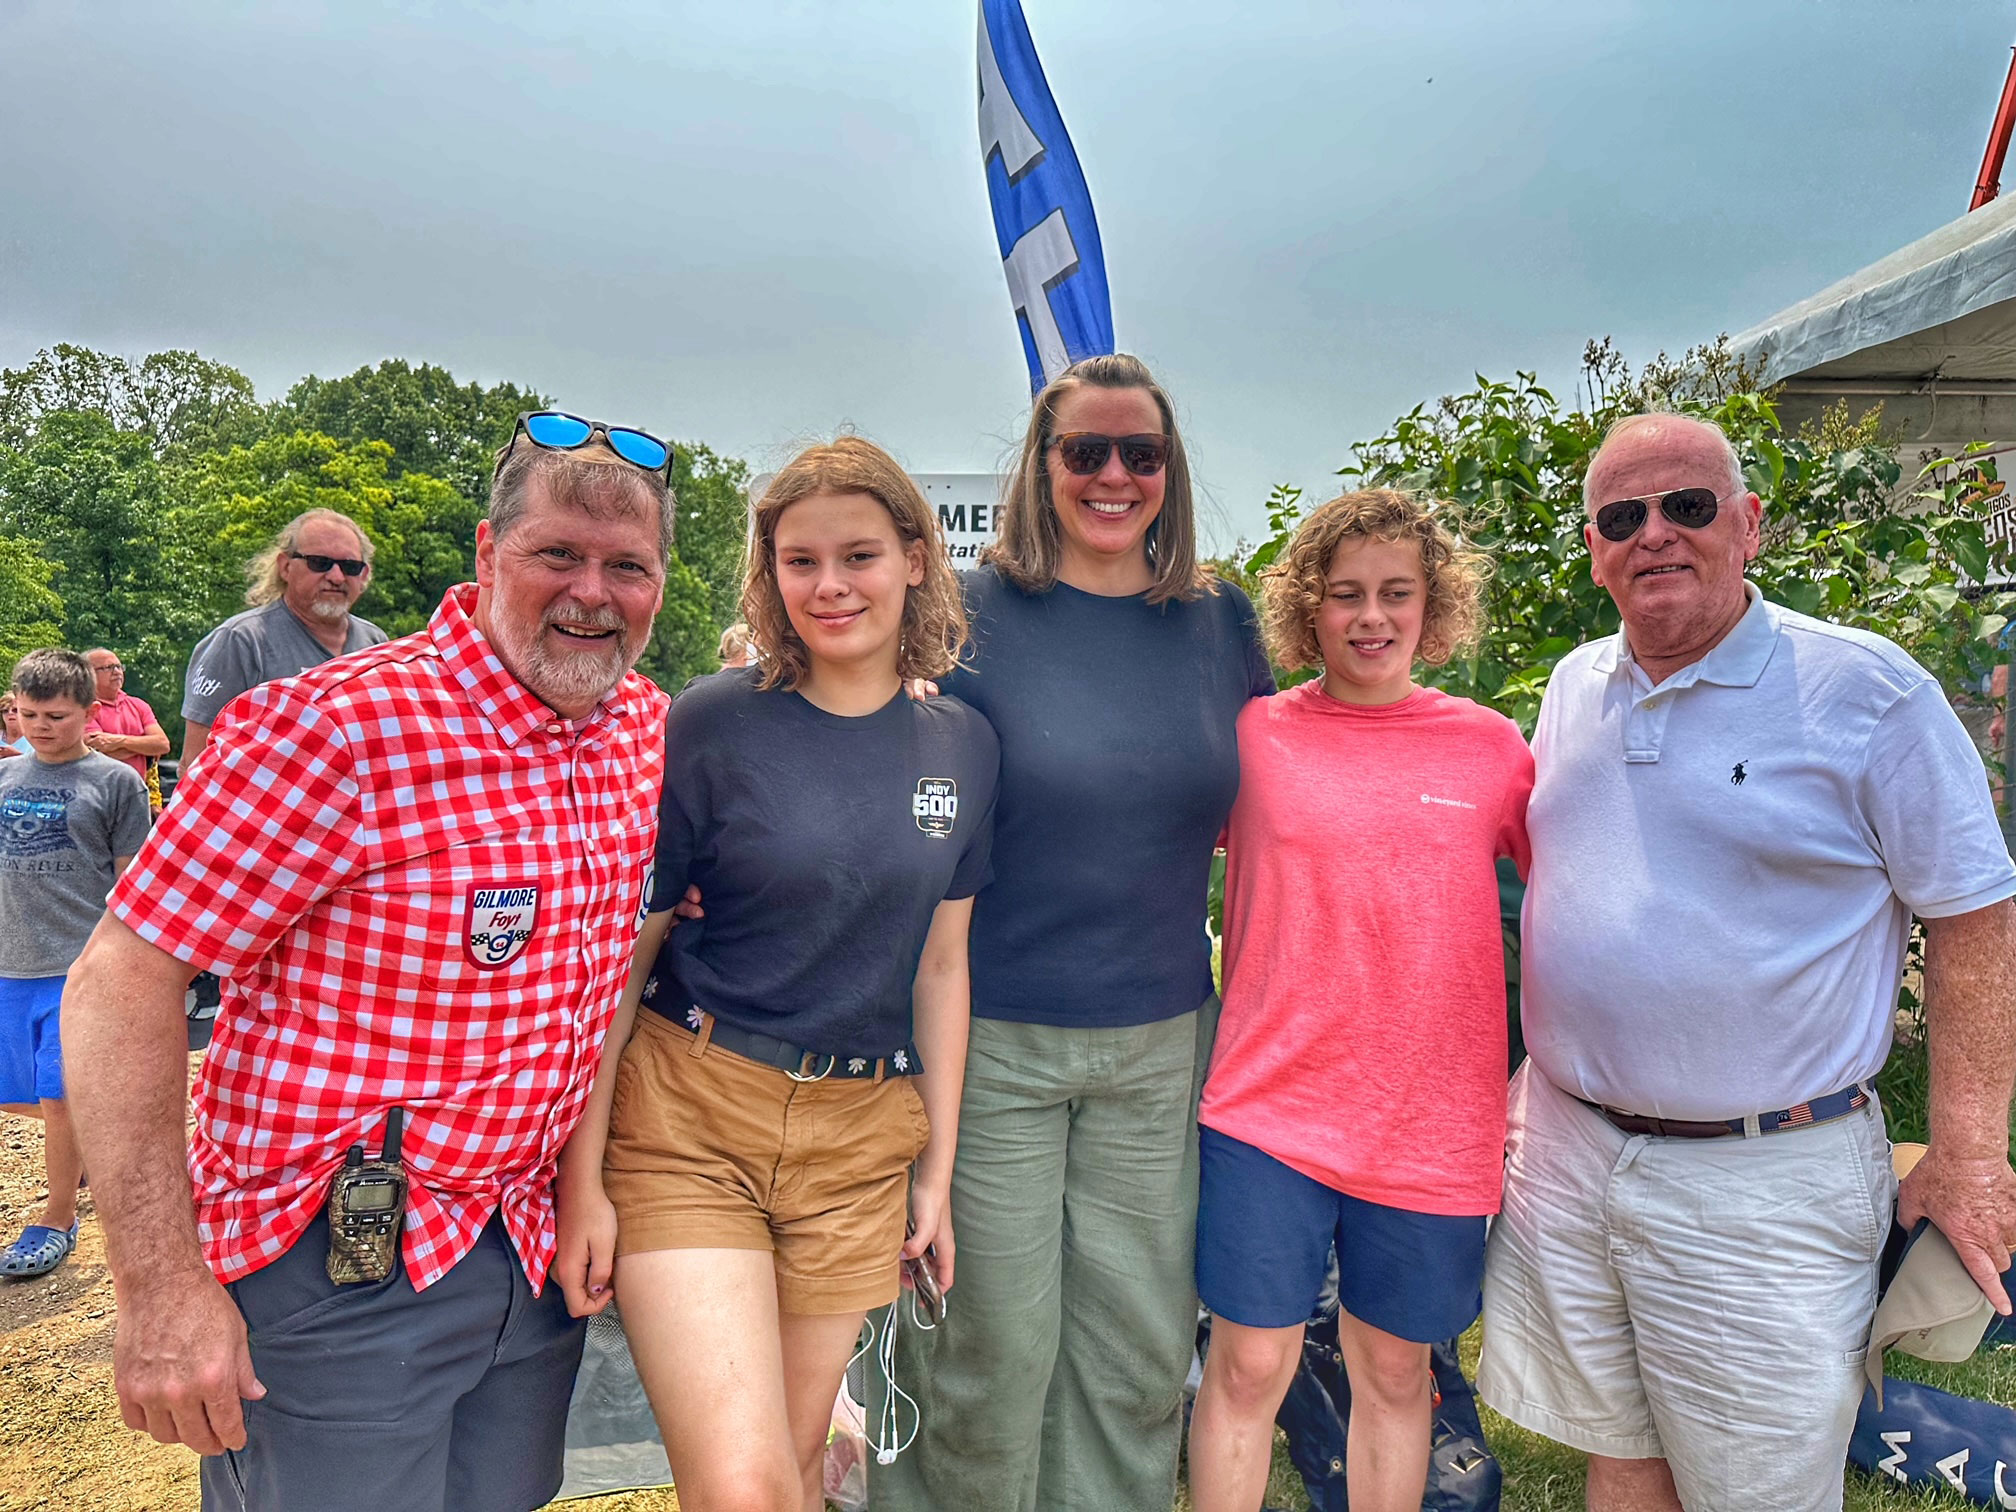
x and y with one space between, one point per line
176 400
683 640
1842 538
94 501
232 504
133 492
431 423
31 614
712 492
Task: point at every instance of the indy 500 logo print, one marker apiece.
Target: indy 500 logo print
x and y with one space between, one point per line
936 805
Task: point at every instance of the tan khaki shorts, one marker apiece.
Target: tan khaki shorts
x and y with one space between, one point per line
1702 1301
711 1151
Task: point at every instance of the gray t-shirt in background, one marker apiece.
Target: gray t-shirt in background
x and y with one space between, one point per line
61 825
256 647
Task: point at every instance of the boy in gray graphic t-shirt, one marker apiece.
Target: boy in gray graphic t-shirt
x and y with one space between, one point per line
70 820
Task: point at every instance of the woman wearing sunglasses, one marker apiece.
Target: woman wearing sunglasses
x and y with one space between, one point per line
1113 668
746 1160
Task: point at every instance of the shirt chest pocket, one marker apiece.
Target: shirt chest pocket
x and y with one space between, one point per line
470 918
514 909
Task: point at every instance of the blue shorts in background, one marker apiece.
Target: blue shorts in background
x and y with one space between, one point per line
1264 1232
31 1050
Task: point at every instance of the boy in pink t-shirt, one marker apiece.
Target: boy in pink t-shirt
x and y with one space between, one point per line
1357 1090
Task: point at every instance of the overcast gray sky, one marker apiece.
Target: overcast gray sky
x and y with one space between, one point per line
751 221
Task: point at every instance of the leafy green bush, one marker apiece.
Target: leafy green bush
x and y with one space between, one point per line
1841 538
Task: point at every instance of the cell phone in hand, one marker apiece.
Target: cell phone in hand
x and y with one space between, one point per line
924 1280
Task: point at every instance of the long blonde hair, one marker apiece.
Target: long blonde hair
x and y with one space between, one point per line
934 612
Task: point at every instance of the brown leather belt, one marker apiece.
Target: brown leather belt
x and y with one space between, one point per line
1665 1128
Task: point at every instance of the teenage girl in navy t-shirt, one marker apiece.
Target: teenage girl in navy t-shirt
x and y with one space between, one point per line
744 1166
1113 670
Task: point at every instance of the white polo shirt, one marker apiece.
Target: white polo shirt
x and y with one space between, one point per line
1725 866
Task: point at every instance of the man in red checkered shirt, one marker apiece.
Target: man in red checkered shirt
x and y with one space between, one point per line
419 870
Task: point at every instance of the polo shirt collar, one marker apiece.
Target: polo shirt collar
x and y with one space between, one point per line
1737 661
510 707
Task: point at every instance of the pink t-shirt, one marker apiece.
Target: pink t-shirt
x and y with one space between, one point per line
129 716
1363 1036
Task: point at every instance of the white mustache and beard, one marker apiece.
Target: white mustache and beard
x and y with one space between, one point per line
331 607
582 672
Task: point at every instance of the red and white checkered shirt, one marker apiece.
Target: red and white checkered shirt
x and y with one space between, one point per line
421 887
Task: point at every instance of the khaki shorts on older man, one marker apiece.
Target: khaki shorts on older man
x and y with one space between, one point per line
1705 1301
708 1150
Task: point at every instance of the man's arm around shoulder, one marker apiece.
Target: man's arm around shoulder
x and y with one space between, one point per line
180 1360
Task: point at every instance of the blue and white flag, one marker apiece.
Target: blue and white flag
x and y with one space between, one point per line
1042 208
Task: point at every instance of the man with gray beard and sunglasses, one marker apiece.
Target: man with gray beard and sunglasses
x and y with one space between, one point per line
419 870
303 588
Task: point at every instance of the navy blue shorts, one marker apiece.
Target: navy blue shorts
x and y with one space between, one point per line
1264 1232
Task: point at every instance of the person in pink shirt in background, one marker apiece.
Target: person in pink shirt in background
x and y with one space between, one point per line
1356 1095
121 726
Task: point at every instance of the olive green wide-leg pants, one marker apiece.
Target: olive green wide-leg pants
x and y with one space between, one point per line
1055 1382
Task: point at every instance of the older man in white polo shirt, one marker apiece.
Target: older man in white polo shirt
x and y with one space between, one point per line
1738 810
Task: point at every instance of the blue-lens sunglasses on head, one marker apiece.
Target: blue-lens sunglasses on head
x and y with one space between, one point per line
557 431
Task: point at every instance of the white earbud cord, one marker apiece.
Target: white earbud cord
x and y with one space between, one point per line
887 1437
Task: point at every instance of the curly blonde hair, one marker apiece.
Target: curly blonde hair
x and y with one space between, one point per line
1293 588
934 612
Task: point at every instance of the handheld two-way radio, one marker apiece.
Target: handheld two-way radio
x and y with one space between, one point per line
367 1210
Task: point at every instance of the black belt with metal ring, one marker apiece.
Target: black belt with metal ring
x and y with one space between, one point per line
796 1061
1799 1116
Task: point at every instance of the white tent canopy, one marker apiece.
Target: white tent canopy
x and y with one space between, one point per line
1929 330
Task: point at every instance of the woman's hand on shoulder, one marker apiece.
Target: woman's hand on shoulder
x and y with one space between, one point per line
921 688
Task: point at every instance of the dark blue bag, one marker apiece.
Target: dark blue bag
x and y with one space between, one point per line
1927 1437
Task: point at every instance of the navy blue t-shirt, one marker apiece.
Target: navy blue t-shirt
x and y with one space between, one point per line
821 845
1119 763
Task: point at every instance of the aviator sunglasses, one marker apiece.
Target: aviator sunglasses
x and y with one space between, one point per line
1085 452
1689 508
557 431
